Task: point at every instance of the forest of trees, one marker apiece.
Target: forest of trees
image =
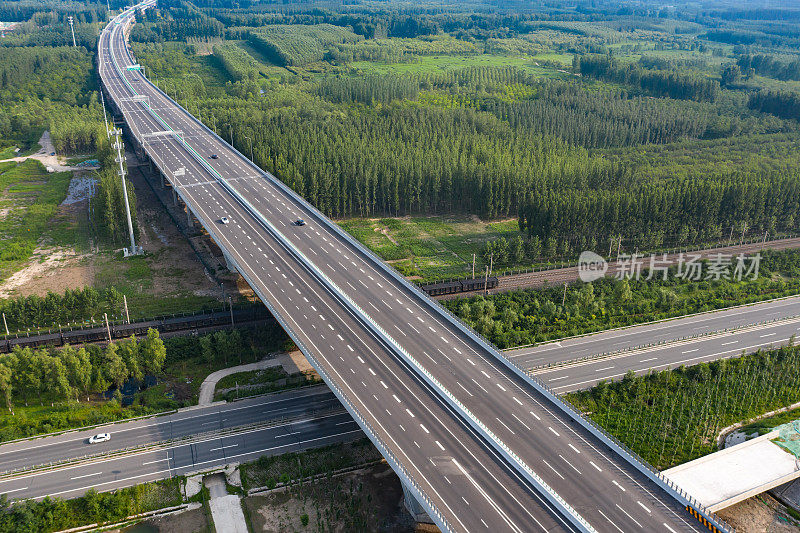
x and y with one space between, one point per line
46 375
656 82
689 210
299 45
768 65
779 103
74 305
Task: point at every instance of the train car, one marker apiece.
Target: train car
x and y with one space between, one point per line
478 284
438 289
45 339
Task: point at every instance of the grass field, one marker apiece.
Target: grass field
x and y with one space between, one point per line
29 198
428 248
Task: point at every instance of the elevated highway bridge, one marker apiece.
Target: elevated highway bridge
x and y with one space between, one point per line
476 442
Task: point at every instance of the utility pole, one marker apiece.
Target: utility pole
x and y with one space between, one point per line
564 299
765 238
72 28
134 250
230 305
610 244
473 266
730 236
486 282
108 328
619 244
744 228
105 118
5 324
491 262
125 303
230 128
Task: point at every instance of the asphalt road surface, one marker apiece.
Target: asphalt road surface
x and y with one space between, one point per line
667 330
586 374
179 459
71 445
358 323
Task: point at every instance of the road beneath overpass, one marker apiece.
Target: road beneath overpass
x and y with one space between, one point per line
480 444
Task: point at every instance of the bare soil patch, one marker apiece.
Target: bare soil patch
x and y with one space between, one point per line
760 514
370 499
193 520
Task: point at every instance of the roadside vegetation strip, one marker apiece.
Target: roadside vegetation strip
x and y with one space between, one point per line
659 321
101 509
674 416
541 369
168 443
533 316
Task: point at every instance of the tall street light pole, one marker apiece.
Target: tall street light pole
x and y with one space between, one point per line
251 147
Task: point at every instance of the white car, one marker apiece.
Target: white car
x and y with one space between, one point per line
100 437
224 220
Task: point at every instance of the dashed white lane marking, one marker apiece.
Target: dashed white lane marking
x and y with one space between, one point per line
629 516
609 521
553 469
620 487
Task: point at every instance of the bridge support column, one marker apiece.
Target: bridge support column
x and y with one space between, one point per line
189 217
229 263
413 507
174 197
163 180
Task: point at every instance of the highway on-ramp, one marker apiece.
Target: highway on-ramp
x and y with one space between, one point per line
479 443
